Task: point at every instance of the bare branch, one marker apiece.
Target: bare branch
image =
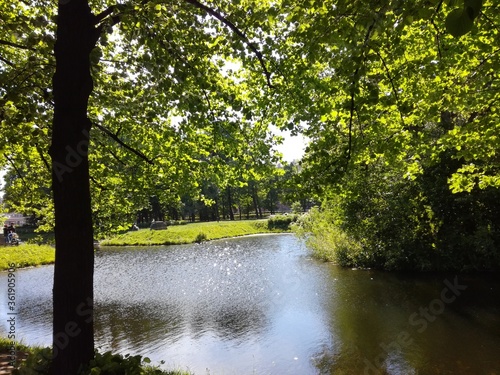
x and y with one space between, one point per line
45 162
118 140
99 17
102 187
389 76
353 86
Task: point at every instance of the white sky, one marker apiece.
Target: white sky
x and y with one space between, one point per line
292 147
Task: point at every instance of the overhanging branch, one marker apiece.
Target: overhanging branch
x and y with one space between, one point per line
237 31
15 45
118 140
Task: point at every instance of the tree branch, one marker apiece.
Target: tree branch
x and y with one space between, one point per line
355 78
102 187
118 140
238 32
386 68
18 172
15 45
99 17
7 62
47 165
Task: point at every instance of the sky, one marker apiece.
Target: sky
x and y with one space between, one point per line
292 147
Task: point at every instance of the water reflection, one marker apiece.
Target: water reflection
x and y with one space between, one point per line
261 305
395 324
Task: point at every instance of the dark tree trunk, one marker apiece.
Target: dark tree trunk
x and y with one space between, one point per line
255 203
230 203
73 331
216 209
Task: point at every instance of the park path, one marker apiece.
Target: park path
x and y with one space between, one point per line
5 368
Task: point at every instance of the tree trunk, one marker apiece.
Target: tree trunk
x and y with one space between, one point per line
230 203
255 203
73 331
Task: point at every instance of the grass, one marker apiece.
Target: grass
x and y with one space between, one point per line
39 358
189 233
26 255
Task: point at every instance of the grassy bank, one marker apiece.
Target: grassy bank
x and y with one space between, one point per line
189 233
26 255
37 360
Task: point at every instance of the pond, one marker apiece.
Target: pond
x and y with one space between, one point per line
261 305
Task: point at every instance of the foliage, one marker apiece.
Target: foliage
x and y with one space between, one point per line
116 364
200 237
281 222
39 362
392 223
386 95
296 207
182 234
26 255
322 234
167 113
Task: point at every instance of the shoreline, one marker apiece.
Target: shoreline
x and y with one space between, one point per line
194 242
30 263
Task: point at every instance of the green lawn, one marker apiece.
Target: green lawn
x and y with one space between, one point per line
189 233
26 255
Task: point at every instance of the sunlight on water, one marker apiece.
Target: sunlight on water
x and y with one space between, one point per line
261 305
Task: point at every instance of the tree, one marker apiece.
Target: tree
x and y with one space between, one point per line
189 86
393 92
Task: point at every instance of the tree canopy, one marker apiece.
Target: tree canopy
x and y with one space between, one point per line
140 99
171 105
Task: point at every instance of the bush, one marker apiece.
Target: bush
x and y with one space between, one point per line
327 240
200 237
281 222
379 220
39 363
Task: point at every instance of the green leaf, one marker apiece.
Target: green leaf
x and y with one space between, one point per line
473 7
458 23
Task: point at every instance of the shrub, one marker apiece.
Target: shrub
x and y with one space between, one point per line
327 240
296 208
200 237
281 222
39 363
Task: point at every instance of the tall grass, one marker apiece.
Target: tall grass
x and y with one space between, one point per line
189 233
328 242
26 255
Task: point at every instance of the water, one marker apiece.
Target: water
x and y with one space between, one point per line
261 305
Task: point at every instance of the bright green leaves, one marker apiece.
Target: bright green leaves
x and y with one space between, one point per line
460 21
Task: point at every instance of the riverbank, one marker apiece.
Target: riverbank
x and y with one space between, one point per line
28 357
190 233
26 255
